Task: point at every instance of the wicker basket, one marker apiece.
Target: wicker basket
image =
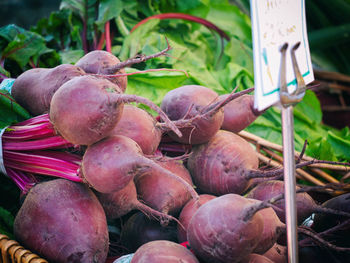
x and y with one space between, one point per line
12 252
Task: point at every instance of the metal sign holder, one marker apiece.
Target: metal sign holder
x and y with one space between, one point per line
288 101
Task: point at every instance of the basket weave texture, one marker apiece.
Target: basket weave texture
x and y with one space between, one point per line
12 252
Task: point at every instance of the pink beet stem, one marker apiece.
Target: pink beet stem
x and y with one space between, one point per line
46 143
34 131
69 175
35 120
40 160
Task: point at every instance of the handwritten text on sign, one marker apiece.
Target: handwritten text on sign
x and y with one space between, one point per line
275 22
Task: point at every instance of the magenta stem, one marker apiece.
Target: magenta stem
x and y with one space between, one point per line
46 143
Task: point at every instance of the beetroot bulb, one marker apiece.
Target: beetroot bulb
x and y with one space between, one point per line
102 62
140 126
164 193
163 251
34 88
63 222
221 165
201 106
256 258
271 188
187 213
223 231
239 113
111 163
86 108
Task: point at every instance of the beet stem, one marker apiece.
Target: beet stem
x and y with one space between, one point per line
163 217
321 241
138 59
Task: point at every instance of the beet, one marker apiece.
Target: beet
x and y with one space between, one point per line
34 88
140 126
221 165
272 230
187 213
239 113
221 232
102 62
256 258
110 164
189 101
269 189
139 229
163 193
63 222
277 253
163 251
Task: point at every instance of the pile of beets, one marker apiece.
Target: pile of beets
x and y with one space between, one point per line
135 182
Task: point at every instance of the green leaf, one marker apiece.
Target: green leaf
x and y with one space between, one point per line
71 56
341 145
24 46
6 223
154 85
108 9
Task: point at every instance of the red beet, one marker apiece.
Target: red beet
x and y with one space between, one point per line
221 232
239 113
101 62
162 251
110 164
272 188
164 193
34 88
140 126
63 222
187 213
221 165
189 101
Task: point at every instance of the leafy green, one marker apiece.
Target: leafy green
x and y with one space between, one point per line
6 222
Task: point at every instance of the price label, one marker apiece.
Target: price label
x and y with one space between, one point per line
275 22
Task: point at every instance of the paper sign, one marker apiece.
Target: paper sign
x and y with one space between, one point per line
275 22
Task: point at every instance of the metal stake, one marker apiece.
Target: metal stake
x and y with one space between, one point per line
288 101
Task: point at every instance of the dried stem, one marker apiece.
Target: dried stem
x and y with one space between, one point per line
138 59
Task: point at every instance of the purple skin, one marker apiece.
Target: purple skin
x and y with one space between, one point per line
53 222
161 251
100 62
273 227
110 164
219 232
189 101
239 113
85 109
219 166
140 126
34 88
256 258
269 189
277 253
187 213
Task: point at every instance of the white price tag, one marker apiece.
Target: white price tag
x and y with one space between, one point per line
275 22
